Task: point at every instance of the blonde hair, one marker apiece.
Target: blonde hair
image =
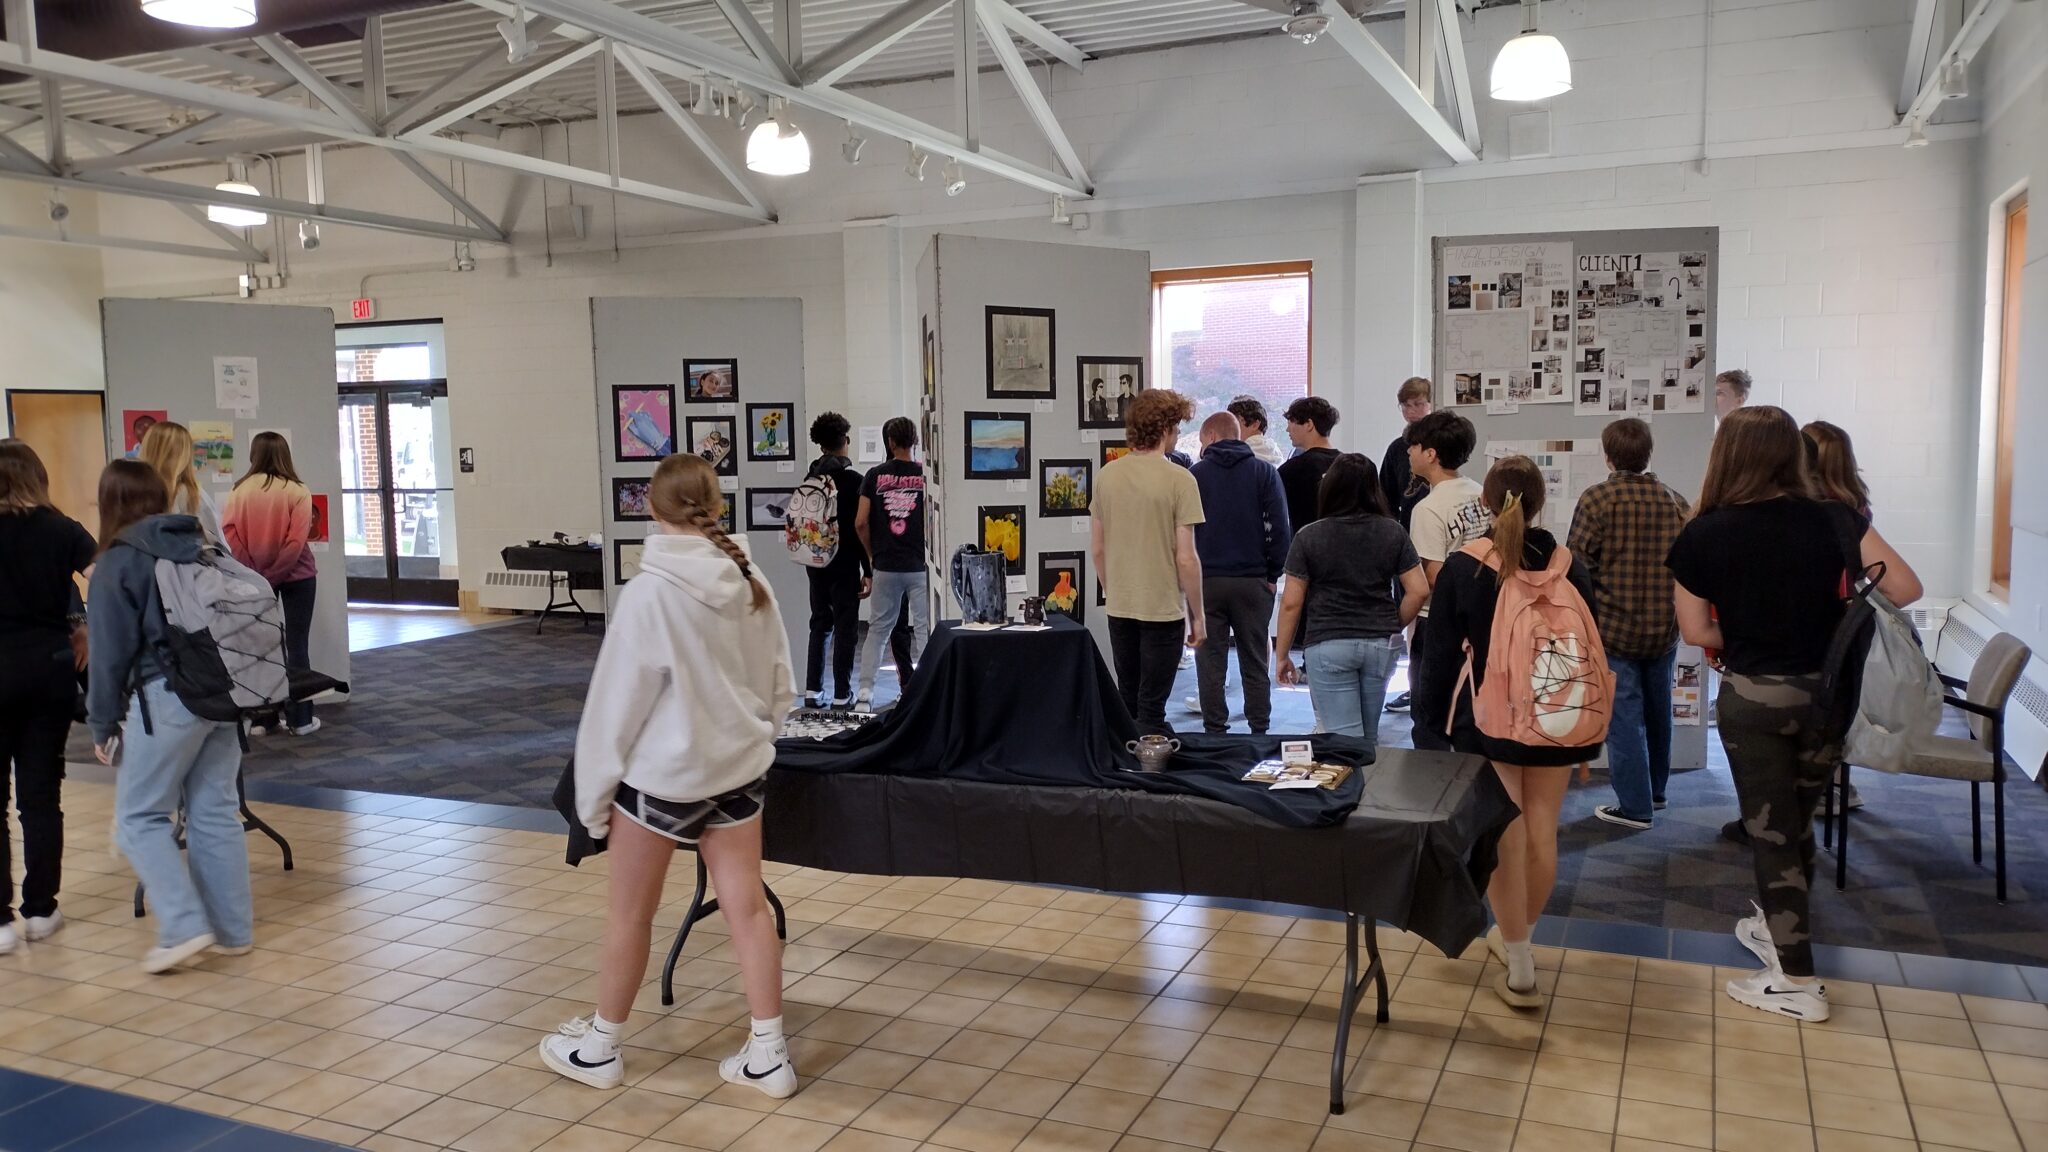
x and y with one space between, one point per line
684 492
167 447
1831 460
1514 493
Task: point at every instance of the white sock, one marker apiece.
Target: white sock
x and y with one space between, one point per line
601 1043
766 1036
1521 965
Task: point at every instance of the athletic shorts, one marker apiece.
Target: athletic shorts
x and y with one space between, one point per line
684 821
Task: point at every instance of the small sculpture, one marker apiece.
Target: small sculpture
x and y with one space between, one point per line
1034 611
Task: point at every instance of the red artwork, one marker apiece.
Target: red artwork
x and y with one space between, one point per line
135 422
318 532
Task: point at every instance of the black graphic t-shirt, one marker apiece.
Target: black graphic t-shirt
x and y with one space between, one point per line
895 492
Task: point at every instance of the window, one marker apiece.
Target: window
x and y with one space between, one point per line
1218 333
2008 395
379 362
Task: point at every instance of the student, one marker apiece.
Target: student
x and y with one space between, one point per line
266 525
1731 391
838 588
1451 516
168 756
1622 530
1401 487
891 525
167 447
1309 422
41 549
1242 543
1251 420
1460 622
677 736
1760 571
1342 571
1142 538
1832 459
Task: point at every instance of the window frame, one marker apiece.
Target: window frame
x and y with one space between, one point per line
2012 216
1163 278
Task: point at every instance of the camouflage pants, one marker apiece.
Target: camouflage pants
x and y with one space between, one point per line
1780 776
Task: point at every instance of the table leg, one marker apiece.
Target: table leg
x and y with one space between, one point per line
1347 1006
698 910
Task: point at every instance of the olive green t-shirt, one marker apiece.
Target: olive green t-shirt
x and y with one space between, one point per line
1142 501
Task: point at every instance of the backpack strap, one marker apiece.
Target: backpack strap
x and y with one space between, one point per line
1482 550
1464 682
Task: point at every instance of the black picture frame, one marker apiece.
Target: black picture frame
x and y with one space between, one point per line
623 497
774 522
728 513
1018 468
1049 471
1002 383
1050 565
787 451
931 365
1104 447
621 549
697 428
1110 370
697 388
1017 512
637 447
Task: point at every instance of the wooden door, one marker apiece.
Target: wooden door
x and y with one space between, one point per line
69 431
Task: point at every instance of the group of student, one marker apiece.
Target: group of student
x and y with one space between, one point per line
112 647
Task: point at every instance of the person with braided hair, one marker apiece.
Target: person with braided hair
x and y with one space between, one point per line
677 735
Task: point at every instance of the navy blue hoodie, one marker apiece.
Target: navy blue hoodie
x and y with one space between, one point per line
1245 532
125 615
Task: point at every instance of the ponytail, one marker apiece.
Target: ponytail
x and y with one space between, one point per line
1514 494
684 491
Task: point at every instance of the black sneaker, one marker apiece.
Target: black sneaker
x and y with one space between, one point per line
1400 703
1658 803
1613 815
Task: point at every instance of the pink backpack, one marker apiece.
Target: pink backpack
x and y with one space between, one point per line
1547 682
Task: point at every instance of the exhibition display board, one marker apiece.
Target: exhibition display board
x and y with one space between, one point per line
1542 339
227 372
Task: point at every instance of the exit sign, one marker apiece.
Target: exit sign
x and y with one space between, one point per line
363 309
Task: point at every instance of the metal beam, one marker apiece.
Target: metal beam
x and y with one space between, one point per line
94 240
608 109
1975 29
834 63
497 92
1385 71
53 125
1048 42
789 32
1918 42
150 150
456 200
1457 74
1419 41
13 154
113 76
1035 102
967 73
421 104
375 96
681 118
756 39
204 150
234 238
233 64
12 117
625 186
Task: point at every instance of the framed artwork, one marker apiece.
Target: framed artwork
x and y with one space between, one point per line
626 559
1059 581
1105 388
711 381
1020 353
771 431
998 446
1065 487
728 511
318 531
931 366
643 421
1002 530
714 438
1114 450
135 423
766 507
629 498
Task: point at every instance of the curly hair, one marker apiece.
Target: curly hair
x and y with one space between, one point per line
830 431
1153 416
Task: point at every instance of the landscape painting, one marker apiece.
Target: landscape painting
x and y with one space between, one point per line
998 446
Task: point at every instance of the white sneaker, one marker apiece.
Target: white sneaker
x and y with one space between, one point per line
1754 932
778 1079
160 960
559 1052
233 949
864 701
43 927
1769 991
9 939
306 729
1192 704
258 730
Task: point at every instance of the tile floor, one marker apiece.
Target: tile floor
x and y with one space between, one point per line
406 969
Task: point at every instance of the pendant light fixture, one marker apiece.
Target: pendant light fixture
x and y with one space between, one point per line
237 184
1532 66
778 147
203 13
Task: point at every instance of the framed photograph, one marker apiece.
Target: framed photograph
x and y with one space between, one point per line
1065 487
629 498
1020 353
766 507
711 381
1059 581
728 512
1002 530
1105 387
771 431
931 366
714 438
1114 450
643 421
998 446
934 456
626 559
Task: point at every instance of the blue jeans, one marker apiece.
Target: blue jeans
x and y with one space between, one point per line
1347 683
1639 735
887 602
196 761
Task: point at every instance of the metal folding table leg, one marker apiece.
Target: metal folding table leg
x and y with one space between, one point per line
699 909
1354 983
250 822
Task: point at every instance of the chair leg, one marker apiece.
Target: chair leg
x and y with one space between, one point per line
1840 819
1976 823
1998 833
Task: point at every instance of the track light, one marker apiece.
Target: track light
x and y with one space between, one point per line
1916 135
309 235
1532 66
918 159
1060 215
778 147
743 100
1955 80
706 103
203 13
956 180
237 184
854 143
1308 21
513 30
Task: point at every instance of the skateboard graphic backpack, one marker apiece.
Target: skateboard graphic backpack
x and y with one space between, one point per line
1547 682
811 525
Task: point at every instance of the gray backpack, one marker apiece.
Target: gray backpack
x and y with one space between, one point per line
224 653
1901 694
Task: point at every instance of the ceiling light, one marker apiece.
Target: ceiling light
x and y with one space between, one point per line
1532 66
706 103
309 235
232 216
918 159
778 147
743 101
1308 23
1060 215
956 180
854 143
1916 135
203 13
1955 80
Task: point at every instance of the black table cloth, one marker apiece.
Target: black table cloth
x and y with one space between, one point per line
584 566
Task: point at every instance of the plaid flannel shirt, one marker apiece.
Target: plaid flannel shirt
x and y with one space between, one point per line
1622 531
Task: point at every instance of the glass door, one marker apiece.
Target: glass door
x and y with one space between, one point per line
395 498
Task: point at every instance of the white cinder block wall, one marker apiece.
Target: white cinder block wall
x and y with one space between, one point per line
49 302
1851 275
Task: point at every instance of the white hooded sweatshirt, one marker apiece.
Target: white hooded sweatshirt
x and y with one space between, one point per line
1263 447
691 685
